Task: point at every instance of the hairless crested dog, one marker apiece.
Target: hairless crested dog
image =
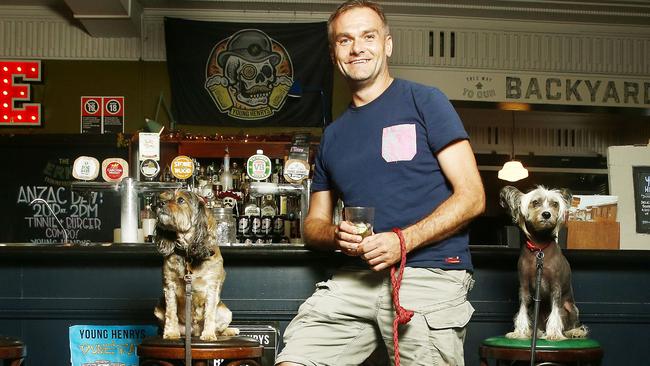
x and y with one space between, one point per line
540 214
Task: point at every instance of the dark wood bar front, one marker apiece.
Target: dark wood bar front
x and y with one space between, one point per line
47 288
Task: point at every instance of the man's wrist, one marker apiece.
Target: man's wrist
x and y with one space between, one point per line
408 238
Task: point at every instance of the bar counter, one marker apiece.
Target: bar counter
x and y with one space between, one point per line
480 253
48 287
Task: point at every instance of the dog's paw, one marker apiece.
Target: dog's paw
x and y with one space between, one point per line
230 332
171 335
171 332
208 337
554 336
518 335
579 332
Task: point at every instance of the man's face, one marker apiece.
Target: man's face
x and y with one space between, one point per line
361 46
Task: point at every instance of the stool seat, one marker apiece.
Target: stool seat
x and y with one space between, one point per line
233 350
583 352
12 351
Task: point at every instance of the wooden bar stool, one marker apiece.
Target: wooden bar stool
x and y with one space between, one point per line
235 351
12 351
570 352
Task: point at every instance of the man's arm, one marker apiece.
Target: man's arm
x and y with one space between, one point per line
319 230
466 202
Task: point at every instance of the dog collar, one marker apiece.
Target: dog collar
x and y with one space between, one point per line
188 258
535 247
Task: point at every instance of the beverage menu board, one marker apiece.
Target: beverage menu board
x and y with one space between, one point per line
36 188
641 179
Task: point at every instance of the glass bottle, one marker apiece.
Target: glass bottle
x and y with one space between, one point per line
148 220
276 176
253 212
167 175
213 175
202 178
251 208
192 182
236 176
226 178
268 212
269 207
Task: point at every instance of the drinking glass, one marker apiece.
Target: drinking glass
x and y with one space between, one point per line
362 218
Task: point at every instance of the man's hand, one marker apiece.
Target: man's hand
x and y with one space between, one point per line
381 250
347 239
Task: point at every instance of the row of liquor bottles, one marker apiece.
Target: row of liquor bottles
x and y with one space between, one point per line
254 229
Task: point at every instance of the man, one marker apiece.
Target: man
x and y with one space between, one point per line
400 148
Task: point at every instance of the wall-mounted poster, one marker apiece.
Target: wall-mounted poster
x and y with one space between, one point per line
91 115
102 115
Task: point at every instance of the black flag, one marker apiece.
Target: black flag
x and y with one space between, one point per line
236 74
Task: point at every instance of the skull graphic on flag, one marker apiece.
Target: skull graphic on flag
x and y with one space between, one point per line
248 75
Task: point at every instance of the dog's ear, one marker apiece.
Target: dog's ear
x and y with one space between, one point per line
163 244
201 228
510 198
566 196
201 244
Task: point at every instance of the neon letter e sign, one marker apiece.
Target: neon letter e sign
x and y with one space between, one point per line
12 112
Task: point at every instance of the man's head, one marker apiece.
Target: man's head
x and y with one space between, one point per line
360 42
351 4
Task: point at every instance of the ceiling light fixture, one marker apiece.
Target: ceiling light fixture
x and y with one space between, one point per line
513 170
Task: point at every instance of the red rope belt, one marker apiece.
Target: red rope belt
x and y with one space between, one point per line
402 316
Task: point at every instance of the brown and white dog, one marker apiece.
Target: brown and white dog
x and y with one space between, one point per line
185 236
540 214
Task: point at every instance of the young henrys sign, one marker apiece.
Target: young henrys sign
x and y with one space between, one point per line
107 345
567 89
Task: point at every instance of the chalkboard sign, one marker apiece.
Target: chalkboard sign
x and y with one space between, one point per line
641 181
41 167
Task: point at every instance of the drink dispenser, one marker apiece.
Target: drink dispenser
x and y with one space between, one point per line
303 190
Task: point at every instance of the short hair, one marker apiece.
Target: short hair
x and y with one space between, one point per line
351 4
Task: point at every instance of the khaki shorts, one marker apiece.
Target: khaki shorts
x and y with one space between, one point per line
343 321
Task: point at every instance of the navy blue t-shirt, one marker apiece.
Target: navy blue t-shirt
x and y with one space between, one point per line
382 155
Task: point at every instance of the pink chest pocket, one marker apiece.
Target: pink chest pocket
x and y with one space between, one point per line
398 143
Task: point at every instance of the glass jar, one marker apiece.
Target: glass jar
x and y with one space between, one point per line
226 225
